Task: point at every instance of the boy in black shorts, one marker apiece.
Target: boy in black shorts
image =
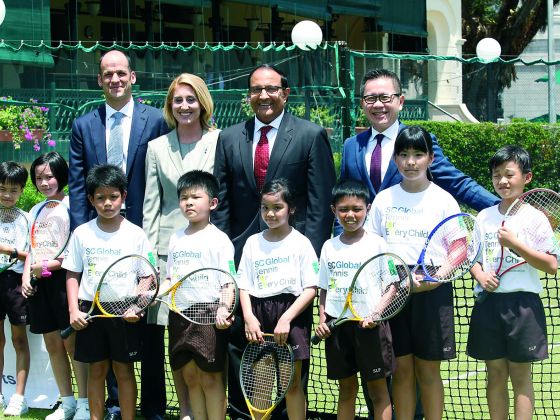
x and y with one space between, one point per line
13 177
353 347
92 248
508 326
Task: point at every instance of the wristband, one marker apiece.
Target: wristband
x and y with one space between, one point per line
14 254
45 269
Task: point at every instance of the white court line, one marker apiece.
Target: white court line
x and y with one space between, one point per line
476 372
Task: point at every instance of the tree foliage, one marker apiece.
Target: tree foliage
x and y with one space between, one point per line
513 23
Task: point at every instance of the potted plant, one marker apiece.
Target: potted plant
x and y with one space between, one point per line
320 115
19 123
362 123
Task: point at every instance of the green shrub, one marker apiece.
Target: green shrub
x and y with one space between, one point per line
30 196
469 146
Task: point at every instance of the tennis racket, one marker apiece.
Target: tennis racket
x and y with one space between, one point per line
50 232
379 290
14 232
451 249
266 373
129 284
203 294
530 211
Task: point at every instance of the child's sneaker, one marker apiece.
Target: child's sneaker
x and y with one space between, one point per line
63 412
17 406
82 412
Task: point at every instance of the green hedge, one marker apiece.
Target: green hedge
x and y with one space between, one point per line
469 146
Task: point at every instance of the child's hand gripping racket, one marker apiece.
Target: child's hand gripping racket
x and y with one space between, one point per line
537 213
206 296
379 290
266 373
50 232
450 250
127 287
14 232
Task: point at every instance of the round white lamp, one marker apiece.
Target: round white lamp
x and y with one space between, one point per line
488 50
2 11
307 34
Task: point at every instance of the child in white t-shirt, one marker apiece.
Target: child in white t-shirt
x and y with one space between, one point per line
278 276
197 353
508 327
423 332
363 347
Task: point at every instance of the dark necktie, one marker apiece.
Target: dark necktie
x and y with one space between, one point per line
375 164
261 157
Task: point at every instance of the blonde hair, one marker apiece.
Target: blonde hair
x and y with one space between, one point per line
202 94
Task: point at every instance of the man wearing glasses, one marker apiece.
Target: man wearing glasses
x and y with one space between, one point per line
368 157
274 144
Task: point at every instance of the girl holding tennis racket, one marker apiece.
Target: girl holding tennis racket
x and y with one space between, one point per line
48 304
508 327
423 332
278 276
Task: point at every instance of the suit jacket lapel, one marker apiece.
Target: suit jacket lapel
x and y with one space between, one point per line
361 146
246 151
283 139
139 121
175 151
97 129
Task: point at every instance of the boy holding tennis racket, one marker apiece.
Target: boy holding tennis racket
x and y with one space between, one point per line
48 303
198 351
508 328
93 247
363 347
14 228
423 332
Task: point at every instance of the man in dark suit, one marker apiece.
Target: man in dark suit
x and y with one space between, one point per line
90 146
294 149
382 100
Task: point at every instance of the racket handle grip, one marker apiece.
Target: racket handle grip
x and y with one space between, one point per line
33 281
67 332
332 326
482 296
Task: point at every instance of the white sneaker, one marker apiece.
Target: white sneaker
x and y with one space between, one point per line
82 412
17 406
63 412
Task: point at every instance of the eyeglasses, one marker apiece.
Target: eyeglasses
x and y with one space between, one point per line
383 98
270 90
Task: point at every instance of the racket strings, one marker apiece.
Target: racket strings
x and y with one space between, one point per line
129 285
547 202
452 249
50 231
13 232
200 296
382 288
266 373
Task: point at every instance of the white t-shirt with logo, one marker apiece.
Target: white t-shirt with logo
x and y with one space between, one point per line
56 212
540 237
14 240
91 251
338 265
406 219
273 268
207 248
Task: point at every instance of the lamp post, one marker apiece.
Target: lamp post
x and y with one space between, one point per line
488 50
306 35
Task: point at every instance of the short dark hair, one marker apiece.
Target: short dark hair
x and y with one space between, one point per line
13 173
58 166
511 153
282 187
105 176
414 137
377 74
198 179
283 77
350 188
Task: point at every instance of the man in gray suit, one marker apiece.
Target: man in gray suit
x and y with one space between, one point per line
294 149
